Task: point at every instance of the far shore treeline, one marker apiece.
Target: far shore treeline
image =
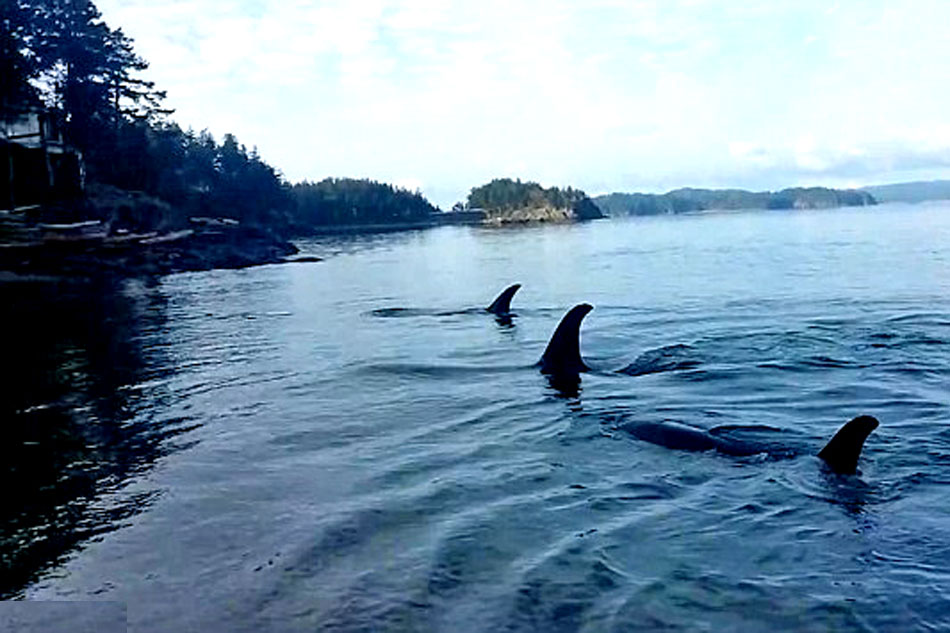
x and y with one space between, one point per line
689 200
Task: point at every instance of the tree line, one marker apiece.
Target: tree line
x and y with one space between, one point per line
351 201
690 200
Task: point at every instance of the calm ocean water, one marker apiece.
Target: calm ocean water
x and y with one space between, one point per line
352 446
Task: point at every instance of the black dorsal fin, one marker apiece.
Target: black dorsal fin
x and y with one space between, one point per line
502 303
844 449
563 353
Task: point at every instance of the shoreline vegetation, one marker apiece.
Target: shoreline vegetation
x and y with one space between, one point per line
104 182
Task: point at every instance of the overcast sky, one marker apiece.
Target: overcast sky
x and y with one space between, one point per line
604 95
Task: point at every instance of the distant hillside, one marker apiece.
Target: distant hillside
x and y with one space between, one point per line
507 201
911 191
688 200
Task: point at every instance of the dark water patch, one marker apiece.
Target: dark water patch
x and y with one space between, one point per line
825 362
78 425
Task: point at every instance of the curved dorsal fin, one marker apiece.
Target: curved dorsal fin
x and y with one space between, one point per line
563 353
502 303
842 452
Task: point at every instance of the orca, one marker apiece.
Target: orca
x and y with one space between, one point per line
501 306
563 363
840 454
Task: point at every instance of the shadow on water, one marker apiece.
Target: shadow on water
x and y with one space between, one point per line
565 386
76 425
850 492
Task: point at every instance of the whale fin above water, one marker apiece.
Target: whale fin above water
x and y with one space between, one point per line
842 452
563 353
501 306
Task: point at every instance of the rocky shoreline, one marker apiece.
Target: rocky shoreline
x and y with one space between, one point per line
75 251
133 237
528 215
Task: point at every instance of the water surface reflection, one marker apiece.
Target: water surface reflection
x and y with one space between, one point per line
75 430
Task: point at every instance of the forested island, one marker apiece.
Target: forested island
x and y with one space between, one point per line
507 201
691 200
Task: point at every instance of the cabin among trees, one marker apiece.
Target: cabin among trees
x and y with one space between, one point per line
68 90
36 165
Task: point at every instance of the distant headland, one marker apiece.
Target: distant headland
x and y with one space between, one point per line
689 200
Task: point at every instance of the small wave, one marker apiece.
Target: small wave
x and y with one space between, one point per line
633 492
664 359
922 318
827 361
925 341
811 362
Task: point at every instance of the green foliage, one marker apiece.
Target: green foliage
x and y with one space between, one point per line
349 201
199 176
505 194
